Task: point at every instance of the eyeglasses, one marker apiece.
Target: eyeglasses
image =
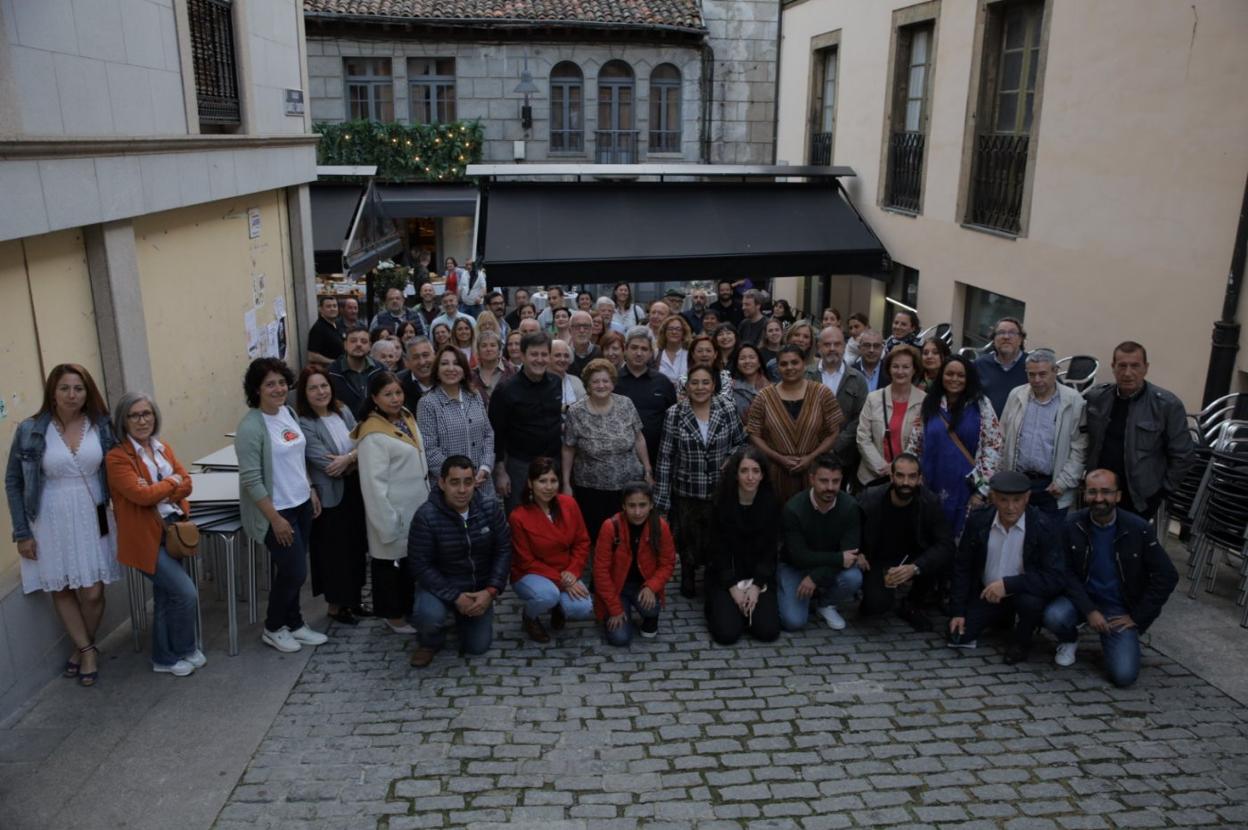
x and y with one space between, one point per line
1011 335
141 416
1099 492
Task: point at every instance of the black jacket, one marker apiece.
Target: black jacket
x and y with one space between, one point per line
1146 574
448 556
1043 574
745 550
411 389
929 544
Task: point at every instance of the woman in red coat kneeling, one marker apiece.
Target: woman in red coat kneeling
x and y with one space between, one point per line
631 568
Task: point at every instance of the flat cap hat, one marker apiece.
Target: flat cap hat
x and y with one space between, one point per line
1010 482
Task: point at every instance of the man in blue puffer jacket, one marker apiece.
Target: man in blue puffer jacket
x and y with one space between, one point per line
459 553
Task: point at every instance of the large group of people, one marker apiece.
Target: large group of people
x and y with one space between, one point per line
582 453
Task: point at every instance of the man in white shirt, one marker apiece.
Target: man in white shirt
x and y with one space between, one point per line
1009 566
450 313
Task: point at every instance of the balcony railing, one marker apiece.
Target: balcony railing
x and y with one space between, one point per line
821 148
905 171
615 146
212 53
664 141
997 183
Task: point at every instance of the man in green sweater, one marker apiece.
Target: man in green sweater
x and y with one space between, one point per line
820 562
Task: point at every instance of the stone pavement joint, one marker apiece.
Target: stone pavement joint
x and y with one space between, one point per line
873 726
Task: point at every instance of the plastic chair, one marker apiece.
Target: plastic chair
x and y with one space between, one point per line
1078 371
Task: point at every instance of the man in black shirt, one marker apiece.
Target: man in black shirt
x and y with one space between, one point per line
726 307
349 374
522 299
905 539
750 329
324 339
526 412
1138 431
652 393
417 375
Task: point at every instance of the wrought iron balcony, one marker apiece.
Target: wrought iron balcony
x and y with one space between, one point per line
905 171
615 146
664 141
997 182
821 148
212 54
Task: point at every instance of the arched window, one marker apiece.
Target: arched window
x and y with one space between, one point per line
665 109
567 88
616 139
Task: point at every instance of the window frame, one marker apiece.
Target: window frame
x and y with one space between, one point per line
433 88
906 23
373 83
572 138
662 91
822 47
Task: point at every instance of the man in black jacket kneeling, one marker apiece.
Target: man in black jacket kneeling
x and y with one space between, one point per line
905 539
1009 566
1118 577
459 552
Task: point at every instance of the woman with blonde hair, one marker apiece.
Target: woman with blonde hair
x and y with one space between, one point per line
673 348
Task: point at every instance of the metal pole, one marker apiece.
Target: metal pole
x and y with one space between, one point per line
1226 330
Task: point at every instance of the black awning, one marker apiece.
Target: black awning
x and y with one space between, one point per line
403 201
541 232
333 212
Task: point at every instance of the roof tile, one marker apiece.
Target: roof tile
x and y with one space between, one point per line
685 14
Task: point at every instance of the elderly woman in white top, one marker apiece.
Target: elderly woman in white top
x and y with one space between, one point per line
560 360
673 348
394 480
387 353
890 415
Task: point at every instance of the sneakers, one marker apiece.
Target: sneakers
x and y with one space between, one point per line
422 657
1065 655
649 626
308 637
280 640
179 669
196 658
834 620
405 628
534 628
960 641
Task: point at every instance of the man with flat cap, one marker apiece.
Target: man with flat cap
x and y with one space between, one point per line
675 300
1008 567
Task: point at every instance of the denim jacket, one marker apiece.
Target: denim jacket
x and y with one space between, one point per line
23 477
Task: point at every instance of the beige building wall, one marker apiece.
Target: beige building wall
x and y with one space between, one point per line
46 317
1141 154
200 274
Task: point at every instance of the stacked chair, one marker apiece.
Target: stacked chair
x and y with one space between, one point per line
1078 371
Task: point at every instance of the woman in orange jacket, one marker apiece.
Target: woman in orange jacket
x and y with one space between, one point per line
550 546
630 568
149 488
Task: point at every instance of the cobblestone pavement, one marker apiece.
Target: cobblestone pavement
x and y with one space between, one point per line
873 726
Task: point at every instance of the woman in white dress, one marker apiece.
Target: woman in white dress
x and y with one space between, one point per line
58 497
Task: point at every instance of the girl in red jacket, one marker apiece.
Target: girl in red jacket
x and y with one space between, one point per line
550 546
631 567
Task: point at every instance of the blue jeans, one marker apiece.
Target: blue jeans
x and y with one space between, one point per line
795 611
289 570
623 635
1121 648
174 598
541 595
475 633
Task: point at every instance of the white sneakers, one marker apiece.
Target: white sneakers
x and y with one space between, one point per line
179 669
834 620
1065 655
196 658
288 641
308 637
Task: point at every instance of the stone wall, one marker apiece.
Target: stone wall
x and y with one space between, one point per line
744 37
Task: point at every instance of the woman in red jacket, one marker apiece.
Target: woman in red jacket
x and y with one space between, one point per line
630 568
550 546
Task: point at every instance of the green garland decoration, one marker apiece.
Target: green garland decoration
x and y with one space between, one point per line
402 152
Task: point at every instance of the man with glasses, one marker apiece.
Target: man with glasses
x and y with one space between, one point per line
496 305
583 348
1138 431
1118 577
1045 435
870 357
1005 369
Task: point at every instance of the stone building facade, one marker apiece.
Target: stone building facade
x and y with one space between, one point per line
718 57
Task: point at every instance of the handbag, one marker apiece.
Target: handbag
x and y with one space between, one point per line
181 539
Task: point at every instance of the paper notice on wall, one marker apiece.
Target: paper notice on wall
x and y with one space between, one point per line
268 346
253 334
279 307
279 322
257 288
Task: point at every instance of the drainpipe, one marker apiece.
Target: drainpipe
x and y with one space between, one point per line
775 102
708 95
1226 331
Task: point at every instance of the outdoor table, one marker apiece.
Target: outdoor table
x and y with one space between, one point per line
224 460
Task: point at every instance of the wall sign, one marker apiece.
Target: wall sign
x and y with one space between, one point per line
253 223
294 102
